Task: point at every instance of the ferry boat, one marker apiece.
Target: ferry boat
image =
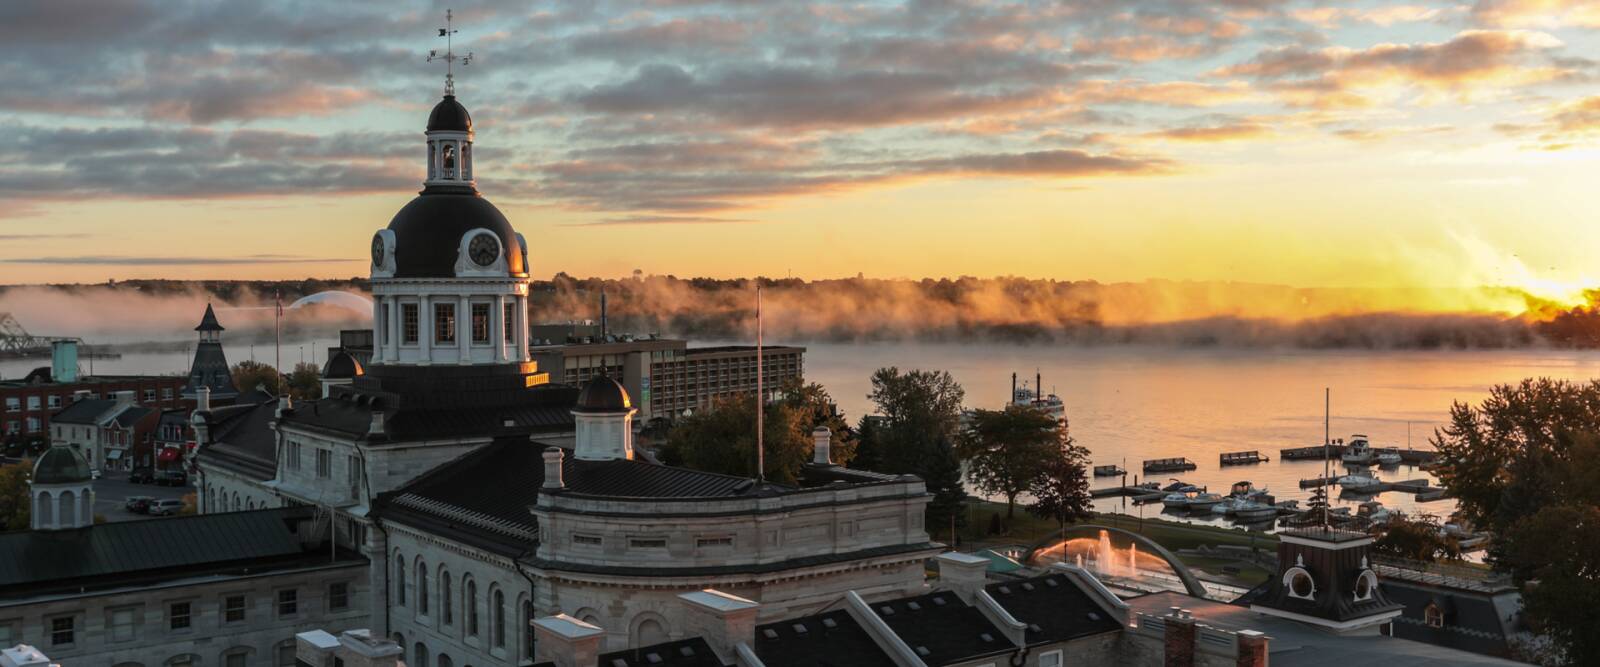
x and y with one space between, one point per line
1035 398
1358 452
1374 512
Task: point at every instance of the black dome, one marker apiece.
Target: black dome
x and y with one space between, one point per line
603 394
448 114
60 465
343 366
428 231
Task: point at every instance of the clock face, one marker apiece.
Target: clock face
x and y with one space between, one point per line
484 249
377 250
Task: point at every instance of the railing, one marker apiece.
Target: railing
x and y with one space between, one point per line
1442 574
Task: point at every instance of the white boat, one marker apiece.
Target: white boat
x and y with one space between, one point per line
1176 500
1204 501
1050 404
1359 483
1373 511
1388 457
1226 506
1359 451
1253 511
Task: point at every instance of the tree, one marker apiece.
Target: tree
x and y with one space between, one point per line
869 443
1558 554
943 478
919 408
816 408
722 439
14 500
1415 538
305 382
1061 490
248 375
1006 450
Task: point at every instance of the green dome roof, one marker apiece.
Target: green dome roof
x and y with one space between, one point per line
60 465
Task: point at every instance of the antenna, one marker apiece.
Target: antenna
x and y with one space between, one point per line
1327 439
449 56
761 398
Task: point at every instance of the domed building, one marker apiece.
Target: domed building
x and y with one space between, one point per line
61 490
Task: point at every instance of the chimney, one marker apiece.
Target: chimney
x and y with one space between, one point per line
724 621
822 446
285 405
566 641
203 399
603 330
963 574
552 468
1252 648
1179 647
376 429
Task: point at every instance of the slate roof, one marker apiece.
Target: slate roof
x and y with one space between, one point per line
449 114
941 628
208 322
1473 621
242 441
832 638
210 369
353 418
128 553
84 411
131 416
1054 608
692 652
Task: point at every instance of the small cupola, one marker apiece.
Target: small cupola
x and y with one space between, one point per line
1325 579
62 490
603 418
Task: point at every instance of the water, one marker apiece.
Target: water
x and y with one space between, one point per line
1128 404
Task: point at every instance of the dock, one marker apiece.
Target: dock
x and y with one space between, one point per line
1242 458
1109 471
1179 464
1145 489
1421 487
1314 452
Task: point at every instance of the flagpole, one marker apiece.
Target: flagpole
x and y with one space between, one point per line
1327 442
277 344
761 398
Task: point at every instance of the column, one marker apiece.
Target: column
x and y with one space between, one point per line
464 329
425 329
521 353
497 327
379 336
391 340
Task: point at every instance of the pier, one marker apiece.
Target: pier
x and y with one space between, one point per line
1315 453
1242 458
1179 464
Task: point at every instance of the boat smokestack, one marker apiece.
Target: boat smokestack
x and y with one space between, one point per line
603 330
1038 385
1013 387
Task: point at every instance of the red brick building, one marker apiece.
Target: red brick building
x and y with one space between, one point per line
27 404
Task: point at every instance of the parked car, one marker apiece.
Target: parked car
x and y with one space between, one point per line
165 507
172 478
138 504
94 474
142 476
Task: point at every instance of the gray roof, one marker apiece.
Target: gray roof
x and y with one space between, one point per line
84 411
131 415
210 369
61 465
242 441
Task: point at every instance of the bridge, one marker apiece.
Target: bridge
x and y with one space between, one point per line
17 343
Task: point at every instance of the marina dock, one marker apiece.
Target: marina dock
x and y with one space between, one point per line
1242 458
1179 464
1315 453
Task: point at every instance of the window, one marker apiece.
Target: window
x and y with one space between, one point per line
526 623
447 606
471 604
1051 659
235 659
647 543
166 393
1300 583
382 336
13 404
1433 616
338 596
284 654
399 579
408 323
33 425
233 609
352 475
422 587
122 624
480 323
53 401
288 602
8 633
723 541
324 463
444 323
33 402
178 615
1366 583
499 618
420 654
149 395
586 540
292 461
62 631
510 320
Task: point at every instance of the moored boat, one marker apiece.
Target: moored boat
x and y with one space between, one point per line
1359 451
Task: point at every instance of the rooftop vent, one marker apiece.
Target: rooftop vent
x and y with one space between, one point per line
619 662
987 638
1034 627
913 606
799 629
653 658
1027 586
1052 583
938 600
686 651
886 610
1005 590
769 633
829 623
1093 616
923 651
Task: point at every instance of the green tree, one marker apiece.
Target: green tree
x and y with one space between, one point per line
1415 538
816 408
1061 490
869 445
248 375
305 381
918 409
14 495
1558 554
1006 450
722 439
949 503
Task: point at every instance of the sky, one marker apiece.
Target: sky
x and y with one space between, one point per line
1296 142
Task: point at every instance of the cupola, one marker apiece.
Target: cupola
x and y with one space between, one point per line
603 418
61 490
1325 578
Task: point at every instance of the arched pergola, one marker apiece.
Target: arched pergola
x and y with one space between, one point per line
1190 583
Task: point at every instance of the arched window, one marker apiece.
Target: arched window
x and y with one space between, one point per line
447 606
466 162
422 586
249 504
433 167
525 626
498 618
184 660
46 508
1366 584
1433 616
444 661
420 654
68 507
449 160
648 630
470 605
399 579
1300 584
284 654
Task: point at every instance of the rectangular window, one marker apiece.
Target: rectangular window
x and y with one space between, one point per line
1051 659
352 474
8 632
149 395
288 602
178 614
724 541
408 323
324 463
13 404
291 460
121 625
338 596
444 323
510 321
166 393
62 631
647 543
54 401
480 323
586 540
233 609
383 326
235 660
33 403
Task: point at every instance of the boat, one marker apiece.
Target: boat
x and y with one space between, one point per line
1242 489
1109 471
1204 501
1249 510
1360 483
1374 512
1169 465
1179 486
1388 457
1242 458
1226 507
1175 500
1035 398
1358 451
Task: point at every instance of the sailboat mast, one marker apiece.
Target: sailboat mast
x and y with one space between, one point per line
1327 441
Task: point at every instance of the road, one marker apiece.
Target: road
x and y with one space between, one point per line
111 491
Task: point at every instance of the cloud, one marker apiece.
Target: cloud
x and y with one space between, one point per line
662 220
1563 125
1540 13
40 237
146 260
1214 133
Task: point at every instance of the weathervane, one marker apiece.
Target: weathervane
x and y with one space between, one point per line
449 56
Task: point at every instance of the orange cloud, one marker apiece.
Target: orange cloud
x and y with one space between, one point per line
1214 133
1545 13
